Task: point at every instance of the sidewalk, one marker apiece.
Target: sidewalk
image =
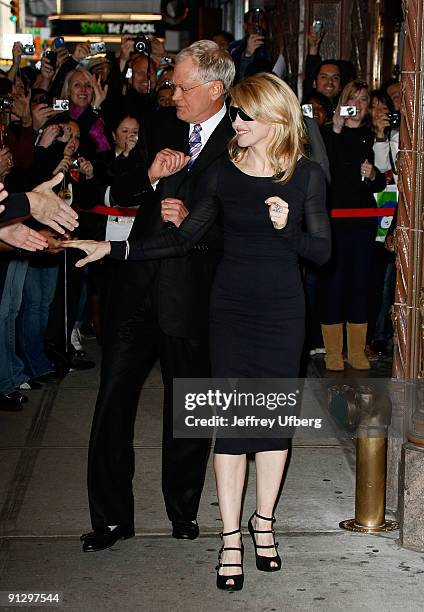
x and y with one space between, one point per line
43 510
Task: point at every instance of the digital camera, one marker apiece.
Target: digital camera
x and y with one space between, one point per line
75 164
98 47
28 49
61 105
307 110
142 44
6 103
128 73
394 119
348 111
317 26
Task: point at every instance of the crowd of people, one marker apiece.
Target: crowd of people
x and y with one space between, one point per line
224 231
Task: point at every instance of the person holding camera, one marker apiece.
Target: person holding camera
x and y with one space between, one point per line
85 94
251 54
354 180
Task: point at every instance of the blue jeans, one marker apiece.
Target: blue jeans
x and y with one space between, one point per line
11 366
38 293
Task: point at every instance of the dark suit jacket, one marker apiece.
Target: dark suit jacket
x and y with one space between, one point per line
181 284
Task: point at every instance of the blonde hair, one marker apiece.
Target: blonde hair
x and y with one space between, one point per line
349 90
66 84
266 98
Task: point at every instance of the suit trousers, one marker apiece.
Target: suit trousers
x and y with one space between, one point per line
132 342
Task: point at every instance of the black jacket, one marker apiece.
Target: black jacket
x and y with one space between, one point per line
181 284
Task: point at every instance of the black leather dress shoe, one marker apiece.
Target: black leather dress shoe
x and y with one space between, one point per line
100 539
185 530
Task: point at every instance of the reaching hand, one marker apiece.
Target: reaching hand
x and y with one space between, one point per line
314 40
22 237
81 51
95 250
40 114
278 211
100 91
49 209
6 162
173 210
86 167
49 135
167 162
254 41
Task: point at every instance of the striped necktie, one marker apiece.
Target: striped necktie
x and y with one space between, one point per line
194 144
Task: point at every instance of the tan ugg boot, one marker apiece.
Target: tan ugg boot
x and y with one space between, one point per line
356 340
333 342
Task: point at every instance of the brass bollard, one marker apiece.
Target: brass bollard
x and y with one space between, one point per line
371 452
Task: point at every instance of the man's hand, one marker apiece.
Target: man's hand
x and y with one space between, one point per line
47 70
167 162
47 208
40 114
278 211
20 236
314 40
17 51
125 50
3 196
254 41
21 108
173 210
81 51
95 250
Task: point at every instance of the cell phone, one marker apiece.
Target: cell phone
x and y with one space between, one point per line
98 47
128 73
307 110
61 105
52 57
348 111
317 26
394 119
59 42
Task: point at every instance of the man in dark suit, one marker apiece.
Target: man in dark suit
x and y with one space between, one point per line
161 307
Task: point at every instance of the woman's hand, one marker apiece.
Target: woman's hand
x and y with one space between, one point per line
173 211
338 121
86 168
167 162
95 250
278 211
49 135
130 143
100 91
63 165
17 51
380 123
6 162
21 108
367 170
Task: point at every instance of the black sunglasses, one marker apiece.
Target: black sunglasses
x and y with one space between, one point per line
235 110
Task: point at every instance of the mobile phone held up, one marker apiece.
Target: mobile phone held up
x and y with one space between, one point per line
317 26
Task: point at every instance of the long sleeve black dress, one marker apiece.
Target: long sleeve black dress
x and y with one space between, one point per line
257 313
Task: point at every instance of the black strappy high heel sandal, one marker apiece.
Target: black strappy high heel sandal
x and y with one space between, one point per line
238 579
264 563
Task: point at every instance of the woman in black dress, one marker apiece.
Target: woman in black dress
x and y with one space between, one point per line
267 191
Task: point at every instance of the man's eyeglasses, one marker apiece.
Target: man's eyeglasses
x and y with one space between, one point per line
184 89
235 110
